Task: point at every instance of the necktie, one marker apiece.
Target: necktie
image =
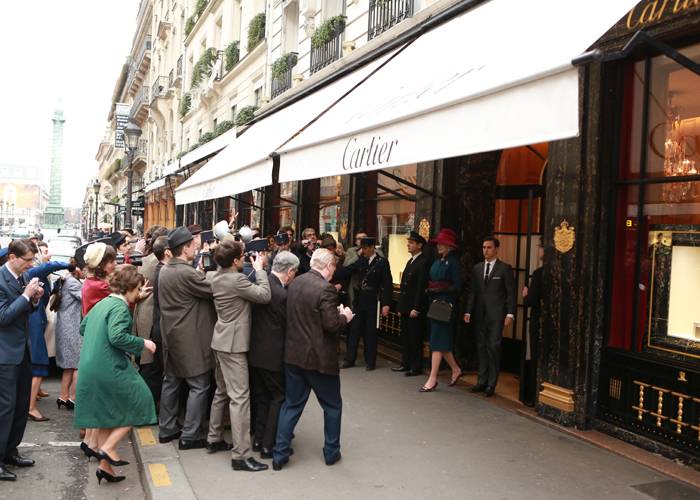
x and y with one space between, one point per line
488 270
20 280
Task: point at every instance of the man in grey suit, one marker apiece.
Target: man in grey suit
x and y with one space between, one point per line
187 319
233 295
490 307
17 300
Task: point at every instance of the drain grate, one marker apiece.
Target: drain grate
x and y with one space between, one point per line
668 490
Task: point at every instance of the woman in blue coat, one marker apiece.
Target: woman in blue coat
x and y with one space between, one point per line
445 284
37 326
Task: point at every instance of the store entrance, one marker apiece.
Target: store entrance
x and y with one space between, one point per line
518 211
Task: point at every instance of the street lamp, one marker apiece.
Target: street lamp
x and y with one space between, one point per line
96 190
132 133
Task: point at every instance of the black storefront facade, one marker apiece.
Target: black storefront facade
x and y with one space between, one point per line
618 208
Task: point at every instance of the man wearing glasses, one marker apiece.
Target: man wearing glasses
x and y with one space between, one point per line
18 297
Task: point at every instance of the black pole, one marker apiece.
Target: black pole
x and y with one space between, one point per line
129 187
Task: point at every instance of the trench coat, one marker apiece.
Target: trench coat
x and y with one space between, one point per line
187 319
143 313
110 392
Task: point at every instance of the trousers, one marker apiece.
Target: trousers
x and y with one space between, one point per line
268 394
363 325
412 342
232 390
489 334
197 398
15 389
299 384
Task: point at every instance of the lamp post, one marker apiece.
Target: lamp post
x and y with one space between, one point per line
96 190
132 133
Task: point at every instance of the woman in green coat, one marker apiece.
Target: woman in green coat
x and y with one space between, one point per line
111 395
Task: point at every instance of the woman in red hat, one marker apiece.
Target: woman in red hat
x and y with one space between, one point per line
445 285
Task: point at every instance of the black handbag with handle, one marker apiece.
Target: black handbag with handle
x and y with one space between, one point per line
440 310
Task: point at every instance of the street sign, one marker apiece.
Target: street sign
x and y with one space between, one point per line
137 211
121 117
138 202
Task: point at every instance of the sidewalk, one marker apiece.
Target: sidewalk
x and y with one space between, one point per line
399 443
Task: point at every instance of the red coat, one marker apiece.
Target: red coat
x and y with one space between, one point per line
94 290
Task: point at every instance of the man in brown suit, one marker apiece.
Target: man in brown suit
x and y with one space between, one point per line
233 294
187 319
314 320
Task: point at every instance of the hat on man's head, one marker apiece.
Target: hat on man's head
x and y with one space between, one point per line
195 229
117 239
282 238
94 254
179 236
414 236
368 241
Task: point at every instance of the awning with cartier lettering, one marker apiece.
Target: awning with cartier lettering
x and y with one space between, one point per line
245 163
497 76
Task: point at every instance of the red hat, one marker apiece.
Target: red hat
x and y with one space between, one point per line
446 237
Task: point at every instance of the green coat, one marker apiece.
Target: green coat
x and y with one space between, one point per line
110 391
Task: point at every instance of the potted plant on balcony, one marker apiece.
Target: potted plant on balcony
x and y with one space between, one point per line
245 115
185 104
328 30
256 31
223 127
232 54
204 66
283 64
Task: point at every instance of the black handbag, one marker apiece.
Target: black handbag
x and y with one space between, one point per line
440 310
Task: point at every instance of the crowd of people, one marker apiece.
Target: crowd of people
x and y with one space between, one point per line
185 327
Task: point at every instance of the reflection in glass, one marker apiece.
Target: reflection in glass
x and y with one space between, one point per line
329 206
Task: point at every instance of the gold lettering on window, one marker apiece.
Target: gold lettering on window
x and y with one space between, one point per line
654 11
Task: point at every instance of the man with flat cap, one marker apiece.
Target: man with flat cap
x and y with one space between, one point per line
412 306
187 319
374 290
122 245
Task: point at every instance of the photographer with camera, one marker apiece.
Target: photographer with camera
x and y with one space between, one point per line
233 295
309 244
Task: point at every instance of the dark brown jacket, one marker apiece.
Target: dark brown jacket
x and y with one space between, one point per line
313 324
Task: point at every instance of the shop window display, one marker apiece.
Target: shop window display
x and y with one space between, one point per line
329 206
656 278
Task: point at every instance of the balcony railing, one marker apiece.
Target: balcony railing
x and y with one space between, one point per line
142 149
327 53
141 101
383 14
175 75
219 65
159 88
284 81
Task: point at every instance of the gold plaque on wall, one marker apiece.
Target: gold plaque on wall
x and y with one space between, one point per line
564 237
424 228
343 230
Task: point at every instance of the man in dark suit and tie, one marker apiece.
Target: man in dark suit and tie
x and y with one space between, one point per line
18 297
412 306
490 307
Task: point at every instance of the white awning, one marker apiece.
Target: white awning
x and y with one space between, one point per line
497 76
208 148
245 164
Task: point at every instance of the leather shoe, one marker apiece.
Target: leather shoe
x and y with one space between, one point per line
488 392
267 454
167 439
249 464
6 475
413 373
401 368
19 461
477 388
369 368
192 444
278 465
218 446
334 460
347 364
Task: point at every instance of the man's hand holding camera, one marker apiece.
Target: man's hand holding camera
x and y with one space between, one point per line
258 260
34 290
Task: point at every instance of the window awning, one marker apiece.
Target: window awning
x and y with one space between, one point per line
497 76
208 148
245 163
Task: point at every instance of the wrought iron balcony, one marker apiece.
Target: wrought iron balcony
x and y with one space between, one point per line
283 82
383 14
159 88
219 66
139 109
328 52
175 76
139 65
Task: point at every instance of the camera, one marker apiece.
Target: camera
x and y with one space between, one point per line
136 259
207 260
255 247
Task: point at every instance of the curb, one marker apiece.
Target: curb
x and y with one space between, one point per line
162 474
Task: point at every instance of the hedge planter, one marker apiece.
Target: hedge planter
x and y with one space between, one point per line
256 31
245 115
330 28
185 104
232 55
283 64
203 67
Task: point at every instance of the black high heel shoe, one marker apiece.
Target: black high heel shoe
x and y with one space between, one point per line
89 452
109 477
101 455
456 379
67 403
428 389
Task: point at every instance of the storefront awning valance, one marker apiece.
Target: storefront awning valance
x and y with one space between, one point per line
208 148
246 164
497 76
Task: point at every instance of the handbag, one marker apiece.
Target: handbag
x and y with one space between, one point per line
440 310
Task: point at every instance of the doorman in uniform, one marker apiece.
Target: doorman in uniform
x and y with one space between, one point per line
412 306
375 287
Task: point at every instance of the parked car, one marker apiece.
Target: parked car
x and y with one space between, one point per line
66 238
